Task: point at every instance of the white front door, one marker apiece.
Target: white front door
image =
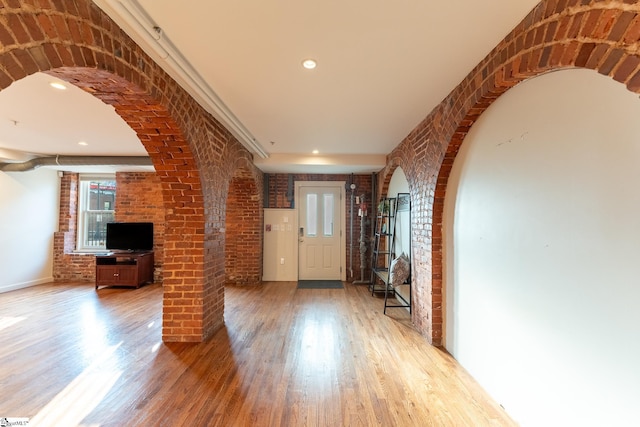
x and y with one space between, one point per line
320 230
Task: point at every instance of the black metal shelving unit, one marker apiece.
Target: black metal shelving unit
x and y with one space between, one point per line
384 252
383 242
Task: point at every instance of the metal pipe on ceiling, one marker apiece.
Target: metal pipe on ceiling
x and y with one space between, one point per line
76 161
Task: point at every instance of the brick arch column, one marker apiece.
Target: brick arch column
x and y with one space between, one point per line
384 177
77 42
244 220
600 35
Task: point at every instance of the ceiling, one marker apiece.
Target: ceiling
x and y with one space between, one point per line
382 66
38 120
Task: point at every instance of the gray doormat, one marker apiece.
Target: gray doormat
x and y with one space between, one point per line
320 284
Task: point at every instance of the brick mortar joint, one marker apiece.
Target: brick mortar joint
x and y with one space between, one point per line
28 8
602 5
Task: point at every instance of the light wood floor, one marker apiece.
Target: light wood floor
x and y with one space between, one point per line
287 357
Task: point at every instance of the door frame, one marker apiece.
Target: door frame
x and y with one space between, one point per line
343 217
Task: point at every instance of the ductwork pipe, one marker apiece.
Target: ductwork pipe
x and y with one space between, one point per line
76 161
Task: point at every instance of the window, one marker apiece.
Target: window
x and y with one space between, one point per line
96 201
312 212
328 215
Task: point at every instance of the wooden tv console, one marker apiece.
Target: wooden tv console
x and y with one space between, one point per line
130 269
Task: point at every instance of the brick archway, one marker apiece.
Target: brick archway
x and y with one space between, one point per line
175 165
557 34
77 42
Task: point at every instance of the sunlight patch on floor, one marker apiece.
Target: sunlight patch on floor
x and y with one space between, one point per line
5 321
81 396
317 348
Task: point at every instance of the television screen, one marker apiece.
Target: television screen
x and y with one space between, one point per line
129 236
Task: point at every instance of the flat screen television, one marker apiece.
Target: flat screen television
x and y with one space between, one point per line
129 236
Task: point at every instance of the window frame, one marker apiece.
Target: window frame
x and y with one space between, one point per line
84 209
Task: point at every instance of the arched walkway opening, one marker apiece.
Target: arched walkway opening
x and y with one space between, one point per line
80 44
599 35
176 168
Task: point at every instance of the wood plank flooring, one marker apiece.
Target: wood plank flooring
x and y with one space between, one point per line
71 356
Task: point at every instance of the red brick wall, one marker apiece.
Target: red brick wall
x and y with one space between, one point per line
194 156
69 266
243 234
280 195
139 199
600 35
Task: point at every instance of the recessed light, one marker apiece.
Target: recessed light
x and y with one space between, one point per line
309 64
83 143
315 151
57 85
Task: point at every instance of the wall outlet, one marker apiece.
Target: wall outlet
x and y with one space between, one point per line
282 261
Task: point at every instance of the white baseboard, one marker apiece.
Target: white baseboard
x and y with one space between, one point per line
16 286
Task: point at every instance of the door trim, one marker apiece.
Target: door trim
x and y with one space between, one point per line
343 216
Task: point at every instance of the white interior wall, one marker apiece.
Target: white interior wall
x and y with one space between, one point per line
542 236
280 254
28 218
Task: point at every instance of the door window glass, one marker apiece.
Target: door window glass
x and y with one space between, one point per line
312 215
328 215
